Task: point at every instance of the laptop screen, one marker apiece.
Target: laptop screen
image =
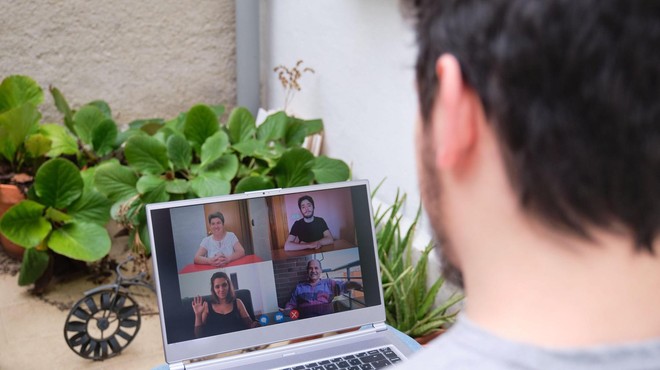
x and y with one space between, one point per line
242 270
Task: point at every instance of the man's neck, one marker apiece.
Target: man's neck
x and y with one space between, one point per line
564 291
308 219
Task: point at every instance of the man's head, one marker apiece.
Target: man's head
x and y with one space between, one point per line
306 206
314 270
569 90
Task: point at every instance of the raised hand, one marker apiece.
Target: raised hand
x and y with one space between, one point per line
199 306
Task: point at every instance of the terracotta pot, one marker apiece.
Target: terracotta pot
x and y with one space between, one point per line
10 195
424 340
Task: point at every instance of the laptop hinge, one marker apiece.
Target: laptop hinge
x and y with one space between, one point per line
380 326
177 366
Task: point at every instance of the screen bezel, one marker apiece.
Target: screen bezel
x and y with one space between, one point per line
164 260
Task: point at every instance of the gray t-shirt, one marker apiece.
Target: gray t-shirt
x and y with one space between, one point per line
467 346
224 246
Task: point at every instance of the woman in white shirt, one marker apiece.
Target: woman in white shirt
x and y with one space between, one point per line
221 247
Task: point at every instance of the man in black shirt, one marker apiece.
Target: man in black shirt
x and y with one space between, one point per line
309 232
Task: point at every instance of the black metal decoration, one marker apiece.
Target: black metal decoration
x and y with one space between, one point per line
106 319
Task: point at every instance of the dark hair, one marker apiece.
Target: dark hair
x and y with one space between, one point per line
571 91
230 294
305 197
217 215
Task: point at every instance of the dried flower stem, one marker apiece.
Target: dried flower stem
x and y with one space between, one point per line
289 78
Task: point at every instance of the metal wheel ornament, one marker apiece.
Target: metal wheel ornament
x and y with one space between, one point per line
102 324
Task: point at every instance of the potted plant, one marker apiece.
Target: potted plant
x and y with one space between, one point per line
63 214
409 300
24 143
195 155
43 162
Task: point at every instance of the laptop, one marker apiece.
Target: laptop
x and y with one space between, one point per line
272 288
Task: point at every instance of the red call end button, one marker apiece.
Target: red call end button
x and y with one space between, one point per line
294 314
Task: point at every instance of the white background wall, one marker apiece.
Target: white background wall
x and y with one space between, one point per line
363 53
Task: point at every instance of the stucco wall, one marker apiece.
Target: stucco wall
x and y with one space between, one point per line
145 58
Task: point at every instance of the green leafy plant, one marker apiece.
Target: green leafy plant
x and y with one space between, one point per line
95 133
63 214
25 143
195 155
409 301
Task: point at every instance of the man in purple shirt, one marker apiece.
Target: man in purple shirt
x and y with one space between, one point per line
314 297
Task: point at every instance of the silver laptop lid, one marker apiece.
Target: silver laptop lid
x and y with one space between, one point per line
267 278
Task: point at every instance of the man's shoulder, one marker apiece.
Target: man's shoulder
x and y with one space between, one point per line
467 346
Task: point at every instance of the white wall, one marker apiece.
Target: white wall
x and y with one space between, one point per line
363 53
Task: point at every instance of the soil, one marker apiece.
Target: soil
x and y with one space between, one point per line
8 265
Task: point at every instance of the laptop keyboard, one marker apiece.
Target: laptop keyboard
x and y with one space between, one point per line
372 359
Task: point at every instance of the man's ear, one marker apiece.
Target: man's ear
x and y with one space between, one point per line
454 115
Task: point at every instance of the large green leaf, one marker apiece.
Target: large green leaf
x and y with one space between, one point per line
150 125
201 123
241 125
177 124
209 184
248 147
37 145
63 107
56 216
156 194
58 183
214 147
294 168
146 154
177 186
33 266
62 141
224 167
252 183
148 183
17 90
15 126
24 224
92 206
330 170
115 181
179 152
82 241
104 136
273 128
85 120
102 106
295 133
312 126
